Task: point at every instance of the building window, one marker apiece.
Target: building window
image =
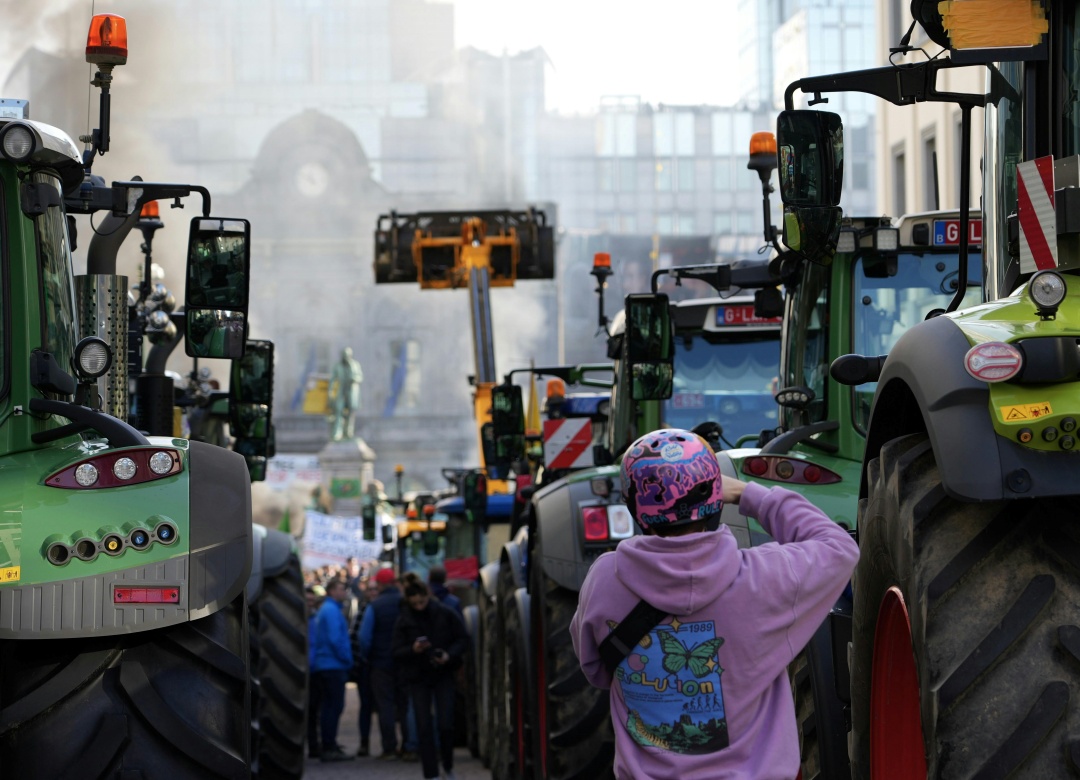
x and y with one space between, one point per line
618 136
627 223
722 223
404 378
685 224
931 200
722 174
665 224
627 175
746 222
605 174
686 174
663 178
899 193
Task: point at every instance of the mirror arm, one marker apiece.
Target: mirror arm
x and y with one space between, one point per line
160 191
785 441
901 85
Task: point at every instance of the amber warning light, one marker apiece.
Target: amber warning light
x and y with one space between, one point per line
763 143
150 210
106 43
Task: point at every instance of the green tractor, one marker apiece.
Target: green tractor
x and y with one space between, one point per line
886 276
964 645
124 557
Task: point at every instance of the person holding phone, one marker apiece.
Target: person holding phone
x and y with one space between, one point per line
429 643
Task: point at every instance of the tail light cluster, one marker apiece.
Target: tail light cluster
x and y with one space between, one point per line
790 470
606 522
87 547
116 469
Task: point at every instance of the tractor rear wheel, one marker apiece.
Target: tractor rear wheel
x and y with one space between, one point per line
499 742
819 712
520 693
470 687
283 673
489 639
167 703
966 649
572 736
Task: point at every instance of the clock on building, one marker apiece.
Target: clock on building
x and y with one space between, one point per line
311 179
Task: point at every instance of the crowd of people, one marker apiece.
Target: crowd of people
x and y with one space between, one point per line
400 639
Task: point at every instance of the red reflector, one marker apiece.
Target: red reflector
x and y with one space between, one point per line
993 361
756 466
811 474
146 595
596 524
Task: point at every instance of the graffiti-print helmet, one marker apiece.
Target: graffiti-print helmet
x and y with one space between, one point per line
671 477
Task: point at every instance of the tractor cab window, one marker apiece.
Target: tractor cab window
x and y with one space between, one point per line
805 354
54 266
1002 151
724 378
885 305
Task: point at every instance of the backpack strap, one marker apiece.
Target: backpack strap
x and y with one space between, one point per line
630 631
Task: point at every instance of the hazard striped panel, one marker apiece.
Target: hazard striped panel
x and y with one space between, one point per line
1038 219
568 443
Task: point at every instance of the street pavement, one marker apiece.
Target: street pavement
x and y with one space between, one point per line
465 766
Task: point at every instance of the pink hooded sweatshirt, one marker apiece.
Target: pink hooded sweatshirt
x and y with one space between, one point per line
706 693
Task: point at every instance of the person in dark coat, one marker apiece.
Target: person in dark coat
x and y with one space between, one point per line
376 650
437 583
429 643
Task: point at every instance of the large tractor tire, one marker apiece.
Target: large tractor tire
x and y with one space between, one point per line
819 713
572 737
168 703
519 689
988 597
499 741
282 674
470 679
490 631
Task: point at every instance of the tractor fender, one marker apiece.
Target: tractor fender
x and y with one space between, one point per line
489 579
278 547
924 387
557 514
513 557
471 617
737 523
255 579
219 499
522 603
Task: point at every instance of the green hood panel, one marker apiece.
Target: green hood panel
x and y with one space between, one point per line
1012 318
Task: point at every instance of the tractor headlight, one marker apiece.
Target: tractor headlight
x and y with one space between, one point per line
92 357
1047 290
18 142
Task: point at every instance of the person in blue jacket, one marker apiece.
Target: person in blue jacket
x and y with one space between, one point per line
315 595
333 661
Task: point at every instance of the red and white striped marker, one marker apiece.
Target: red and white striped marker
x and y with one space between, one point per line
1038 219
568 443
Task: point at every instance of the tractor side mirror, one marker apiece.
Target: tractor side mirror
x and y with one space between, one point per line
649 347
216 293
252 378
508 422
475 495
810 152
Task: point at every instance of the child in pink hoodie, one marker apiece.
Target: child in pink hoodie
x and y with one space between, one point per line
705 694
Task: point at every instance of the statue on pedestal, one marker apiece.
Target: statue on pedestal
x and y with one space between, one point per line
344 396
